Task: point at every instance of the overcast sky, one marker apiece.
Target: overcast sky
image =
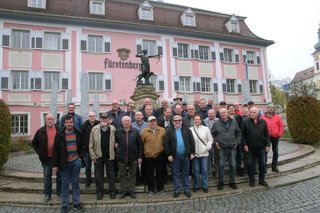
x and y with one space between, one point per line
292 25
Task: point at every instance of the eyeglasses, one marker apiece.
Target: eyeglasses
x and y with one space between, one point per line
177 120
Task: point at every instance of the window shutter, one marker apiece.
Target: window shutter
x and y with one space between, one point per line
261 88
38 42
194 86
4 83
258 59
160 51
237 57
33 41
213 56
224 87
83 45
196 53
107 47
161 85
139 48
175 52
65 44
198 86
108 84
192 54
239 88
221 57
5 40
64 83
176 86
215 87
244 58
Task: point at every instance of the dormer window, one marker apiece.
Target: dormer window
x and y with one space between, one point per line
40 4
145 11
188 18
232 24
97 7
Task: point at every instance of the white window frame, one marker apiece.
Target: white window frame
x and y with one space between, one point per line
253 86
228 55
183 50
41 4
96 81
20 39
52 41
95 44
52 77
97 7
206 83
230 85
145 11
18 133
150 46
204 52
185 84
20 79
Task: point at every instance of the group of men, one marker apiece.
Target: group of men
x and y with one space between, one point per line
140 146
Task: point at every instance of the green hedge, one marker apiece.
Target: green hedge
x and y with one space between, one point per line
5 133
303 115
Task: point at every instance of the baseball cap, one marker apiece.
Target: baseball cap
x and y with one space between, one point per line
151 118
104 115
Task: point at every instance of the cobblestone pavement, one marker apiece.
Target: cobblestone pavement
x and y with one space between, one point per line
302 197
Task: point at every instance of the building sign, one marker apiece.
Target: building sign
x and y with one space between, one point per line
123 54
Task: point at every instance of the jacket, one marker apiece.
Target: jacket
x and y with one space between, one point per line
60 154
202 149
152 142
130 147
86 130
255 136
161 122
95 142
170 141
226 137
40 143
275 125
116 117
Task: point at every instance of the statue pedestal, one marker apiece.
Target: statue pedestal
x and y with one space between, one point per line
143 91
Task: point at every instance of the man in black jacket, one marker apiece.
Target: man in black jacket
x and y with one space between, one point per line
86 130
43 145
180 148
130 151
67 154
256 142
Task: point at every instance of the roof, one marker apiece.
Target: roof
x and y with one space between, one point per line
304 74
122 14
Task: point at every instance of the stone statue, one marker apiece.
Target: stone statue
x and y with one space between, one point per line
145 67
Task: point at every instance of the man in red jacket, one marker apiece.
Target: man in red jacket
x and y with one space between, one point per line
275 131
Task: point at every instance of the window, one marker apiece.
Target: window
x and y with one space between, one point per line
50 77
37 3
95 43
230 85
251 55
150 46
97 7
317 65
183 50
206 84
52 41
189 20
35 83
20 80
204 52
20 39
228 54
184 83
95 81
215 87
19 124
4 83
146 14
234 27
253 86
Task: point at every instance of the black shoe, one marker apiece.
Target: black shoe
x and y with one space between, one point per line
113 195
220 187
64 209
78 208
132 195
275 169
252 184
87 185
188 194
233 186
195 189
122 195
240 173
205 190
176 194
263 183
99 196
47 198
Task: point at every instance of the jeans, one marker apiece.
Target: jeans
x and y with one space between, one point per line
200 163
155 164
127 181
239 157
70 174
230 154
252 156
88 164
275 151
183 163
47 178
99 174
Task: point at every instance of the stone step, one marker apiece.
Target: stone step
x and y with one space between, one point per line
89 200
286 169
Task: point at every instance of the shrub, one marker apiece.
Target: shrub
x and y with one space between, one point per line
19 144
5 133
302 117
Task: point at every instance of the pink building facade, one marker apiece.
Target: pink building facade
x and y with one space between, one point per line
203 54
